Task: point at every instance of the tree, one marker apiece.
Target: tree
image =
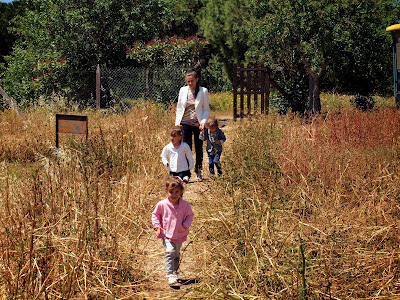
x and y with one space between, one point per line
184 22
60 42
8 11
221 23
169 51
309 36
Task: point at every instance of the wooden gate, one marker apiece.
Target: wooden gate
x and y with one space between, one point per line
254 80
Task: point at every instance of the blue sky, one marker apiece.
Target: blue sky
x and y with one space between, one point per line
6 1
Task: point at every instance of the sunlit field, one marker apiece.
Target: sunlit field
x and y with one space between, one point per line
307 207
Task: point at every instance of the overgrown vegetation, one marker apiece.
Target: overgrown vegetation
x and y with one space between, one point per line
301 40
71 217
307 208
59 44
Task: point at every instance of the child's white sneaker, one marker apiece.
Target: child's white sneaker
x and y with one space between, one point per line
185 179
172 279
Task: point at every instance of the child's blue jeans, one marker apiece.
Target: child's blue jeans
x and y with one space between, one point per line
214 159
172 256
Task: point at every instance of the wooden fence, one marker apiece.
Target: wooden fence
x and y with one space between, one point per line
254 80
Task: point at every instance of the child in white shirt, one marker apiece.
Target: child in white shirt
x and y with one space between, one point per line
177 156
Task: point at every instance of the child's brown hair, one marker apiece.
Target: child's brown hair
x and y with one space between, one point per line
176 131
173 182
211 122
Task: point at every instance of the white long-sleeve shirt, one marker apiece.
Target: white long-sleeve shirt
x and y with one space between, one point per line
177 160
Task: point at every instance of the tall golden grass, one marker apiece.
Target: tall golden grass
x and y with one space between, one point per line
306 208
71 217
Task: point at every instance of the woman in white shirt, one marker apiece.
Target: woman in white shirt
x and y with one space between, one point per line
192 113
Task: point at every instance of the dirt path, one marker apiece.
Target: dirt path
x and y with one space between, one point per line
192 257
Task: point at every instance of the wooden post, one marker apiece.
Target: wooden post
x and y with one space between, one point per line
267 92
10 102
248 87
241 91
234 92
262 88
255 89
98 87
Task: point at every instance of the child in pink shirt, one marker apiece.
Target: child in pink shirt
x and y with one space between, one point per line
171 219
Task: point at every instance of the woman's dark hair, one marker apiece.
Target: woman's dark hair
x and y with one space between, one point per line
196 72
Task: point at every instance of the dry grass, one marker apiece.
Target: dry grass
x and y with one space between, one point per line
307 208
221 103
71 218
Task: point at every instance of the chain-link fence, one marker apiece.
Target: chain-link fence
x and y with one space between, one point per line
122 85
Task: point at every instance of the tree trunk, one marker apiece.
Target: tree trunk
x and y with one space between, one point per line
310 92
314 100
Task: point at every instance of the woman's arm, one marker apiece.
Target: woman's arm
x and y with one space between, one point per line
180 109
205 106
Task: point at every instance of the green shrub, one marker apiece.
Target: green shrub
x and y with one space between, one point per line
363 103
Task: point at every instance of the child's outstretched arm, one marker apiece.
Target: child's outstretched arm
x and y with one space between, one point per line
188 218
156 219
164 157
222 137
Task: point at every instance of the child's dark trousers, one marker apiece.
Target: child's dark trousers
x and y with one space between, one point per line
180 174
214 159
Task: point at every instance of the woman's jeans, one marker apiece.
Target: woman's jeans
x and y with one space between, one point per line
172 256
188 131
214 159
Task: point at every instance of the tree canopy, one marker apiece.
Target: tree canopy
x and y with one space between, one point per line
221 22
61 41
8 11
302 38
338 44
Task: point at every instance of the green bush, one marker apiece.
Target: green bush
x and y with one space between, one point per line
363 103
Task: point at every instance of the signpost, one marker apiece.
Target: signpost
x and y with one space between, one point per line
395 31
71 124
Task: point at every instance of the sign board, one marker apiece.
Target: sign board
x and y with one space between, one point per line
71 124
